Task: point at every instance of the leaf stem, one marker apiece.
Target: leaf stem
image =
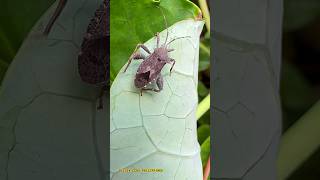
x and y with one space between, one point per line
207 170
203 107
205 10
299 142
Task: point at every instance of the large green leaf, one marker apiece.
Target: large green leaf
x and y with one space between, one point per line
135 21
159 130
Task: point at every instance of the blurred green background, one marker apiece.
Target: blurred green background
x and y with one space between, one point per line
300 82
300 79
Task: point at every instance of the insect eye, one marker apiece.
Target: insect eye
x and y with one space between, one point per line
159 59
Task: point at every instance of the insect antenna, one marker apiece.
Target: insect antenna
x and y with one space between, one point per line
178 38
166 23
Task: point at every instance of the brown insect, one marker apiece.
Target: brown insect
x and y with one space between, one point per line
149 70
93 58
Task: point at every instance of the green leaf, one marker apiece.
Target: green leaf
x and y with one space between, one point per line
205 151
3 68
133 22
299 142
202 89
296 91
299 13
203 133
204 55
159 130
205 118
6 50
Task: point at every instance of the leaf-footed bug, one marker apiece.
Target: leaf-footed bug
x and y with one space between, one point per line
149 71
93 58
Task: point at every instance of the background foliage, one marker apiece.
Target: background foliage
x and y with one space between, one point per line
300 85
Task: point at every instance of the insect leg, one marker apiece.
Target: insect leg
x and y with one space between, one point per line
100 103
174 62
170 50
159 83
101 98
148 89
134 56
54 17
143 47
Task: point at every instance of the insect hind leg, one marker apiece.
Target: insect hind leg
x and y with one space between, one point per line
159 83
134 56
102 92
148 89
173 63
